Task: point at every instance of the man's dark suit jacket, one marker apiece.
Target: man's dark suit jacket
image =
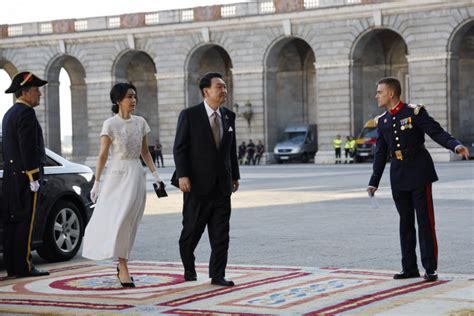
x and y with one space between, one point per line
196 155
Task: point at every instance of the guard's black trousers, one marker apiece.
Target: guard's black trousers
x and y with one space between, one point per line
212 210
17 237
421 202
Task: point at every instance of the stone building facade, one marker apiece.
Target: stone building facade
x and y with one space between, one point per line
285 61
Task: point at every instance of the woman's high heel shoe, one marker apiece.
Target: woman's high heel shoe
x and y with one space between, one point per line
126 284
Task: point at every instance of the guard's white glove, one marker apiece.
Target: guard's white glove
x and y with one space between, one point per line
34 186
157 177
95 192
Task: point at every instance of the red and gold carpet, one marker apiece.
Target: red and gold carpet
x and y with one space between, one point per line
92 288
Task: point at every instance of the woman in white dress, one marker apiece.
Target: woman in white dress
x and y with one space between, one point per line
120 197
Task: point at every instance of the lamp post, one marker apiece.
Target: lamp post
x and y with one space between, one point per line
246 111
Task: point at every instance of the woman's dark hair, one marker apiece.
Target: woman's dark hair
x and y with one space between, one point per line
206 80
118 93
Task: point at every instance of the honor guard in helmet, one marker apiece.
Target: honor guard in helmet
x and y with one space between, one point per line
23 156
401 133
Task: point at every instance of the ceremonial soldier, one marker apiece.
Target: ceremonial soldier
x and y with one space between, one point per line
401 133
23 156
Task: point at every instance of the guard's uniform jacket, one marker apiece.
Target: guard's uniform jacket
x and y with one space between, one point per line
23 157
401 134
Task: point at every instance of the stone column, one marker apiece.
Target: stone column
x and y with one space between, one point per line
248 88
99 109
429 86
171 101
333 94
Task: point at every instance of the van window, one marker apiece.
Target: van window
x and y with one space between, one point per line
368 132
309 137
294 137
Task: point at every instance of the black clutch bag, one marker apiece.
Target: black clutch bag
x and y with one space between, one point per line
160 190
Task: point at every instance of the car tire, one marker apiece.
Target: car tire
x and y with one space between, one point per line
63 232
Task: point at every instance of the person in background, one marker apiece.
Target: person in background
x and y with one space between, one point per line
347 150
242 152
337 148
260 151
159 154
250 153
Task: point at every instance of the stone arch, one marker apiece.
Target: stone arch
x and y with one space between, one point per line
77 75
11 70
377 53
461 68
290 86
138 68
206 58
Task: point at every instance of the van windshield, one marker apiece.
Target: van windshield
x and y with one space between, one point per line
368 132
294 137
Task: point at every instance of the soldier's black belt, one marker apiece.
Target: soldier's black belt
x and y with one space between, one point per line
406 153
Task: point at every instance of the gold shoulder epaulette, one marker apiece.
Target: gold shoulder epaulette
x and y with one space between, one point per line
376 119
416 107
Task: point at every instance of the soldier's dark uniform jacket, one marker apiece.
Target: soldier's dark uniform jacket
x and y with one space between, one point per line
23 156
401 134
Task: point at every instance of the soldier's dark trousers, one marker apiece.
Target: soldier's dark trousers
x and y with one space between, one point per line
214 211
16 247
419 202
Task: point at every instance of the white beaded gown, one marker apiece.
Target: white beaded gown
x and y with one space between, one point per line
119 208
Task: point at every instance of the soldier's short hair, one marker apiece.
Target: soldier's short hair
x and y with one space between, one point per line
392 83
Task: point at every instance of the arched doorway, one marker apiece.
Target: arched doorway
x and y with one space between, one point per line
205 59
290 81
462 83
378 53
77 103
138 68
7 71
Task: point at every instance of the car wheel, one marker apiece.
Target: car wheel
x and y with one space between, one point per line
63 232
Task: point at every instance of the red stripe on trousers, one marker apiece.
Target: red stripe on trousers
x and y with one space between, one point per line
429 200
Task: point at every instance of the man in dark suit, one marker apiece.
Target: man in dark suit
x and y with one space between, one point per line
23 156
207 172
401 132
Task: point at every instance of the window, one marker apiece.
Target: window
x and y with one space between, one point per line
46 28
15 30
187 15
267 7
114 22
152 18
228 11
80 25
308 4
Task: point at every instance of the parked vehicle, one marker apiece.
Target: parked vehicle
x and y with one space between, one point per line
298 142
365 142
64 208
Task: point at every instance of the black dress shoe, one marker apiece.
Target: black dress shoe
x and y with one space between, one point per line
430 276
222 281
190 275
124 284
406 275
33 273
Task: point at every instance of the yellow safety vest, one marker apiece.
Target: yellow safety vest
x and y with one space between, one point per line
337 143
